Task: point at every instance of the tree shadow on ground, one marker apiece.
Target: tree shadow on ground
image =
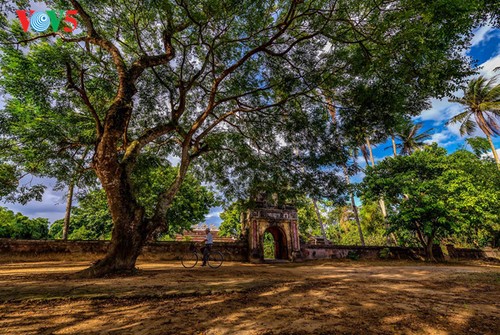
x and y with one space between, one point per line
272 300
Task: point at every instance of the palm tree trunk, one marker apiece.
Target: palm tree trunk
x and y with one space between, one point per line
495 154
354 209
364 152
320 220
368 144
394 146
356 217
67 217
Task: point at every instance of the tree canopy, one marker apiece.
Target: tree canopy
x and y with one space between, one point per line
434 195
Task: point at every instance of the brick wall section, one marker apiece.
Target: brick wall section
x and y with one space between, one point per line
492 252
310 252
463 253
171 250
233 251
38 247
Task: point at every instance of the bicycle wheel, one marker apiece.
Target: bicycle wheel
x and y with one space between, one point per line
215 259
189 260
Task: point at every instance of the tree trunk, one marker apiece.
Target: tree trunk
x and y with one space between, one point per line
67 217
123 250
354 209
368 144
495 154
364 152
391 238
394 146
356 216
320 220
428 251
129 229
427 243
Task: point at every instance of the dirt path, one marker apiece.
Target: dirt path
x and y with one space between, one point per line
310 298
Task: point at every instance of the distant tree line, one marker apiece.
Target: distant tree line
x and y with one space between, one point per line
19 226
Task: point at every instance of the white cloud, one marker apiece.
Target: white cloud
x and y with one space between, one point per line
174 160
357 178
213 218
446 137
214 214
450 134
486 68
52 206
360 160
490 153
481 34
440 138
455 130
441 110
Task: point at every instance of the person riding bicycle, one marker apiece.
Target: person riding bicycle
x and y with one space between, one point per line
209 240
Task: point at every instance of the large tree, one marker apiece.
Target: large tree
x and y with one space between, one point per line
434 195
213 79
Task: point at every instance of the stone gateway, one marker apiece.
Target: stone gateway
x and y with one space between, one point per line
280 222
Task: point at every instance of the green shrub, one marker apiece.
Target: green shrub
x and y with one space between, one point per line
385 253
353 255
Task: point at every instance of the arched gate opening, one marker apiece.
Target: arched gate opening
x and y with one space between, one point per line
279 244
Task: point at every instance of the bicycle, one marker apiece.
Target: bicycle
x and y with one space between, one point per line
215 258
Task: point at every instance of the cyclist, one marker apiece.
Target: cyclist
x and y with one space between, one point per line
209 240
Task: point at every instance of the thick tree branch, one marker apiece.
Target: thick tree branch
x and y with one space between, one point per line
93 37
154 133
218 80
83 94
146 62
165 199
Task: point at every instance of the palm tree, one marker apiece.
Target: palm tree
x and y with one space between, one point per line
482 99
410 138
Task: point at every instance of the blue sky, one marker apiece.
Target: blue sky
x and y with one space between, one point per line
485 50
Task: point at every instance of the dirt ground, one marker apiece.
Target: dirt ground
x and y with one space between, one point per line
330 297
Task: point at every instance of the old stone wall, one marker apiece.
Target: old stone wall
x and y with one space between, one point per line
492 252
235 251
310 252
463 253
171 250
